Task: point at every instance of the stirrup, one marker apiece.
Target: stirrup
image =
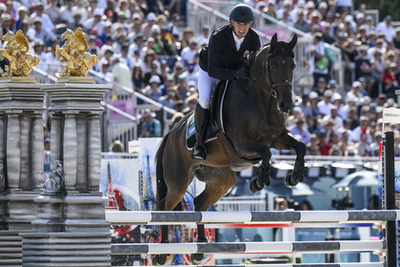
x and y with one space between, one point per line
199 152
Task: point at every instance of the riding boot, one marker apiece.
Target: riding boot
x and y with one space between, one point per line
199 151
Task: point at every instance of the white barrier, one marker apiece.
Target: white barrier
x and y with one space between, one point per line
199 217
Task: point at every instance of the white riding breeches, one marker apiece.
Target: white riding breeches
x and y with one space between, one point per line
205 86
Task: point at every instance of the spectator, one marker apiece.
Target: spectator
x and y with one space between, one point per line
325 105
302 24
319 62
39 13
150 126
316 114
300 128
364 70
396 38
169 99
188 53
122 76
38 50
67 11
138 78
182 88
312 146
321 86
23 16
190 102
355 92
386 27
105 72
153 90
150 21
155 66
41 33
323 144
334 116
96 22
389 82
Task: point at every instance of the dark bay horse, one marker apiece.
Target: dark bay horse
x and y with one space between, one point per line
254 121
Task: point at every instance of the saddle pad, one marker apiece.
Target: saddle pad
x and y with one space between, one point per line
190 131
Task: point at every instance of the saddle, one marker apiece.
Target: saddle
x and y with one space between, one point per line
215 129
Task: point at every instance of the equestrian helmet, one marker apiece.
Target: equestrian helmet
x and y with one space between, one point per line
242 14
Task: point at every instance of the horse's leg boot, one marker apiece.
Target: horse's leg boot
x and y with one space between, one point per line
199 151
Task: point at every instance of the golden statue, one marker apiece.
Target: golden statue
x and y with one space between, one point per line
16 51
74 52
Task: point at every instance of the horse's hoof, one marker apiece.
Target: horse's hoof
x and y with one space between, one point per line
254 187
159 260
196 258
291 181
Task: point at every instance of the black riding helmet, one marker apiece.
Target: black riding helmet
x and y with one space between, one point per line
242 14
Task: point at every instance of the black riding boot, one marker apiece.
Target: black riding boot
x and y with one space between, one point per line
199 151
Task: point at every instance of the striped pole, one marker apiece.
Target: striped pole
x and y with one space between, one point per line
363 264
374 264
248 247
223 217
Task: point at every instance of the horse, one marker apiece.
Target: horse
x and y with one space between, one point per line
253 112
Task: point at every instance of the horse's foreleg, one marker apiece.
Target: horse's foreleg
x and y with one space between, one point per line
288 141
298 171
262 179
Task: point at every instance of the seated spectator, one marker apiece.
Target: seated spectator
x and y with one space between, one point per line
312 146
169 99
325 105
150 126
301 23
153 90
300 128
389 82
323 143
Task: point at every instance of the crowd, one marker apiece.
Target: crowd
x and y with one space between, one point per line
146 47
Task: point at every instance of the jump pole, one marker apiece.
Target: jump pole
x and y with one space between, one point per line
223 217
249 247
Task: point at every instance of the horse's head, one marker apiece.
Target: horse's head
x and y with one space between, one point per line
8 36
68 34
277 61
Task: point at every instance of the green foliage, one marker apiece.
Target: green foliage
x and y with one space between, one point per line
385 7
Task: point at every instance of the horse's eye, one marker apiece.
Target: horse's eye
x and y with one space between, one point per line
273 66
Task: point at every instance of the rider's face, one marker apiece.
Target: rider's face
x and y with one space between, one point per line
241 29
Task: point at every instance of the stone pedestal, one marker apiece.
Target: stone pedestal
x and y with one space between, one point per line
21 164
71 229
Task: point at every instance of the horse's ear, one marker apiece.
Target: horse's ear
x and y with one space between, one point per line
274 41
293 42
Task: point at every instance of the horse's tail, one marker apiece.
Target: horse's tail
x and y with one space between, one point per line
161 185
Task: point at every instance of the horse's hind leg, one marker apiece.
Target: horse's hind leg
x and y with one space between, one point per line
218 182
297 175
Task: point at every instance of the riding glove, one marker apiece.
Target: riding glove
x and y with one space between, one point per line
242 73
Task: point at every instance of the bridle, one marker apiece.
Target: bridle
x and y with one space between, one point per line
274 85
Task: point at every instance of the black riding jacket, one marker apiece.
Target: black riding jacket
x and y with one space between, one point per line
221 60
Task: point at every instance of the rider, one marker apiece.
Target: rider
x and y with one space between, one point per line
223 60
